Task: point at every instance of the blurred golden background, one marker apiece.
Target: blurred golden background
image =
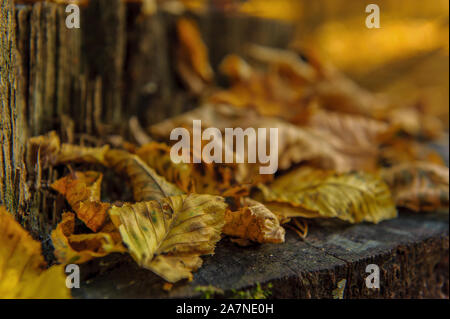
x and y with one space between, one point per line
407 58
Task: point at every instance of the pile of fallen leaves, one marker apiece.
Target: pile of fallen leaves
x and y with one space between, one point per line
345 153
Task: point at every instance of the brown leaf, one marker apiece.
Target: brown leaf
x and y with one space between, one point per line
254 222
419 186
52 152
357 138
319 146
82 191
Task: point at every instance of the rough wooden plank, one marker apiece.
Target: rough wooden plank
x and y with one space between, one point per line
12 130
411 251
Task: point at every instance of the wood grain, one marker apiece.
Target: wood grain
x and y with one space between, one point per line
411 251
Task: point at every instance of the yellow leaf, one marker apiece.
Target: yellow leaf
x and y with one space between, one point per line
157 156
353 197
79 248
419 186
254 222
22 267
82 191
169 235
146 183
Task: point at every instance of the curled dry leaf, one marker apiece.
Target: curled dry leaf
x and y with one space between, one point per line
157 156
287 62
236 68
339 93
318 145
269 93
414 122
282 90
397 149
78 248
354 137
202 178
357 131
311 193
419 186
288 85
192 56
254 222
22 267
146 183
52 152
168 236
82 191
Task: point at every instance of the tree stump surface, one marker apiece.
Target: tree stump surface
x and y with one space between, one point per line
411 252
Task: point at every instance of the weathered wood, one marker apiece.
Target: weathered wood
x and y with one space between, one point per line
411 251
13 190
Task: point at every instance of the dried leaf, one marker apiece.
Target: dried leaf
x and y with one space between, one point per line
22 267
317 145
419 186
414 120
81 154
52 152
357 131
310 193
254 222
157 156
201 178
269 93
287 62
289 84
397 149
82 191
236 68
168 236
146 183
193 61
339 93
357 138
78 248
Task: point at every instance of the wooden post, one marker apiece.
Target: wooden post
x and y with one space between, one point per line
13 190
